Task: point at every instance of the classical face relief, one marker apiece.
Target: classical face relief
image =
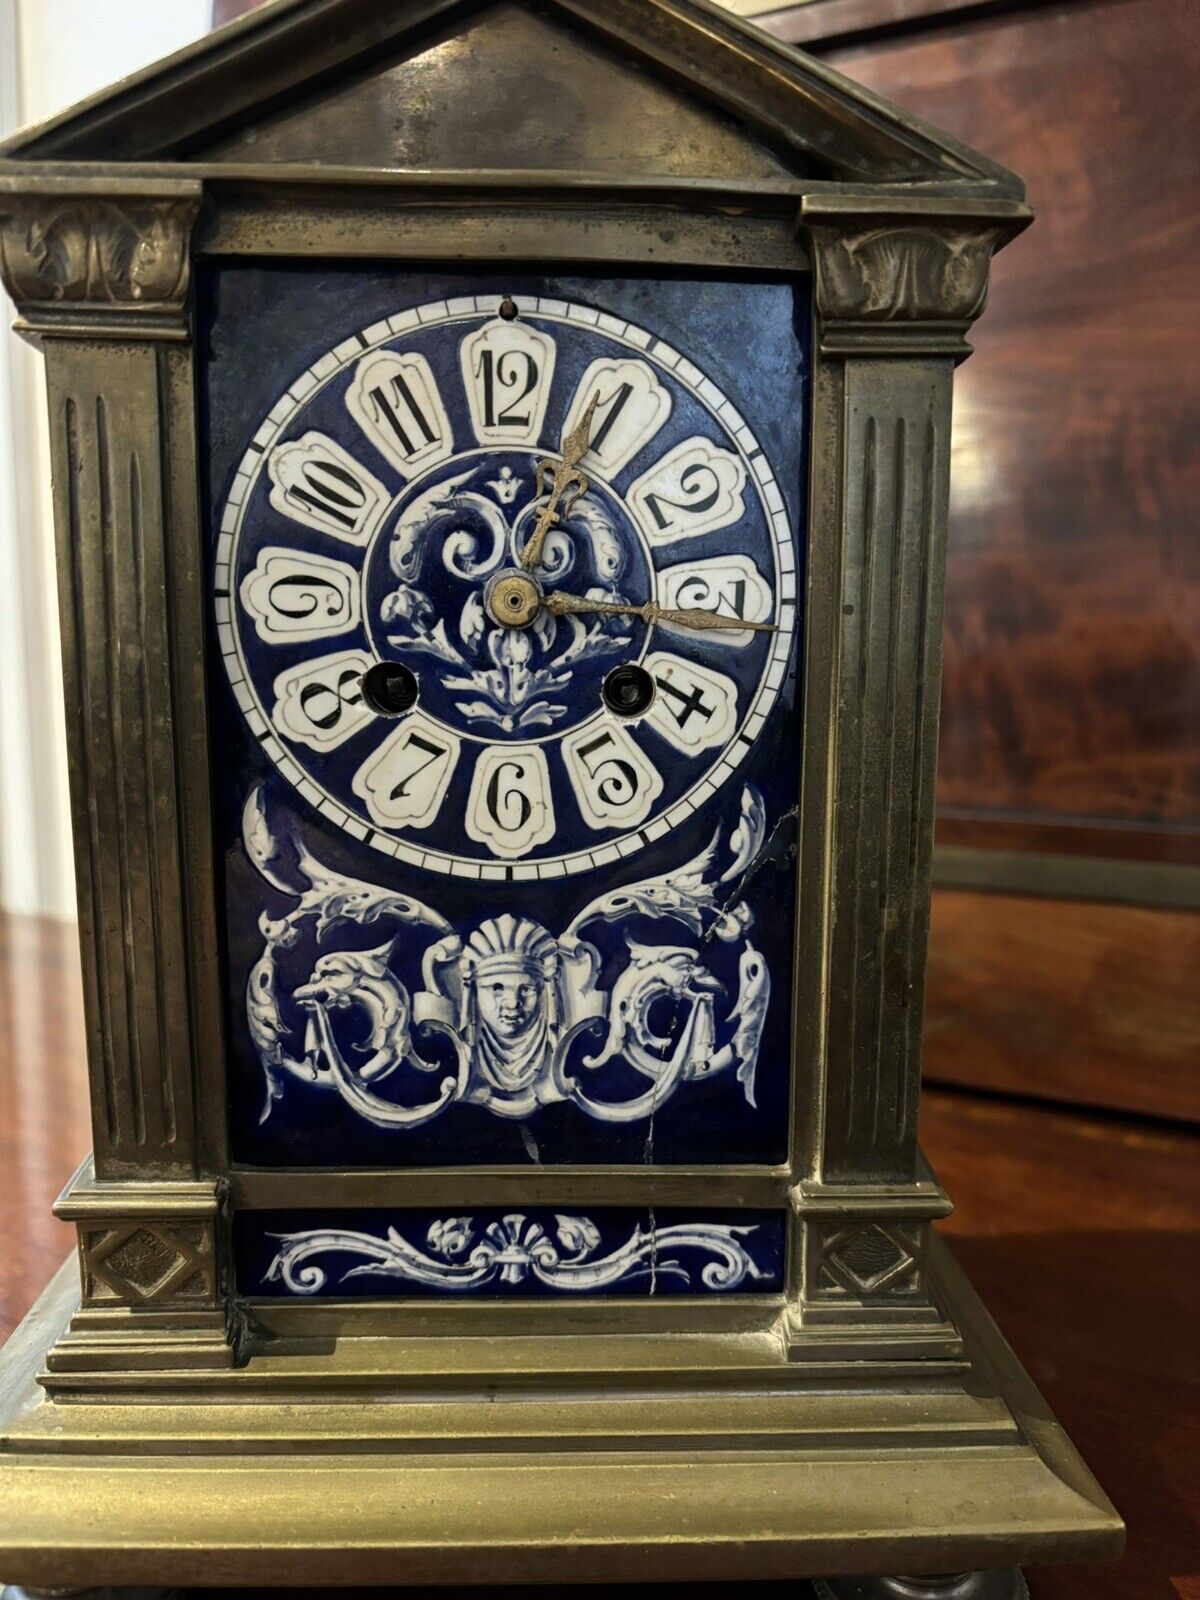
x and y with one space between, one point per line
508 1004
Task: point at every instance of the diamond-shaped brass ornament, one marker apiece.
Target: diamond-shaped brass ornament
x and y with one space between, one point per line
868 1259
144 1262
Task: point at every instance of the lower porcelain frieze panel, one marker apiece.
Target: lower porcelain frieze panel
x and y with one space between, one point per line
364 1254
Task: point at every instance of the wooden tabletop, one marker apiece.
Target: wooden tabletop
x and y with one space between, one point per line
1082 1233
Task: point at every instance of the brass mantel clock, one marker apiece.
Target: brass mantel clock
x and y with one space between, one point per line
501 456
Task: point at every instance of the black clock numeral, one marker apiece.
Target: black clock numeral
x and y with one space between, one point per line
303 595
613 409
328 488
512 800
697 502
395 401
616 779
432 752
687 705
315 481
505 373
323 703
509 807
389 398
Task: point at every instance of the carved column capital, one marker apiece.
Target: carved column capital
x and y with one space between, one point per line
901 283
83 263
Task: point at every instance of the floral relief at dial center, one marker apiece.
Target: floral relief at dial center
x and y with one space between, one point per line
426 585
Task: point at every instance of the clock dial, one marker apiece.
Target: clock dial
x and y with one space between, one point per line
395 481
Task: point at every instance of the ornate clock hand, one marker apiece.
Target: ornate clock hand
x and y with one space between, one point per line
560 604
563 476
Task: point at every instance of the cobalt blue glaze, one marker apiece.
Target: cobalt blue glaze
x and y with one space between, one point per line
430 958
372 1254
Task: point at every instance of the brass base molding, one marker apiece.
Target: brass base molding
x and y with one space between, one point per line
608 1451
865 1291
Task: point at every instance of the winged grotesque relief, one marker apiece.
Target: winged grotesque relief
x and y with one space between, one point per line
508 1015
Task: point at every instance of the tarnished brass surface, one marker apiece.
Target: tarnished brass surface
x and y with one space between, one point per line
482 1470
165 1429
512 600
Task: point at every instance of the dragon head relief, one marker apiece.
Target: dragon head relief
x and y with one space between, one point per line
344 979
509 997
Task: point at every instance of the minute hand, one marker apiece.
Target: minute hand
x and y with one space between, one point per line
559 604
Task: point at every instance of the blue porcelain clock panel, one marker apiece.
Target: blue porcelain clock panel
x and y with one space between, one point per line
508 917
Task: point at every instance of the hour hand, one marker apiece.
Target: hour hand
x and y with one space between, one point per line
565 480
560 604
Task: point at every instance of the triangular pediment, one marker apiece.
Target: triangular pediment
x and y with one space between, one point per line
675 89
506 89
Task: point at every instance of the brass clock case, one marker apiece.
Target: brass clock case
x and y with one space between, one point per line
855 1411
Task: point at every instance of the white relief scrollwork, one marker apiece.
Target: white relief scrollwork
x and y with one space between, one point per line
461 1256
747 838
507 1010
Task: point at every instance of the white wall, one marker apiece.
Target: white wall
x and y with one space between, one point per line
52 52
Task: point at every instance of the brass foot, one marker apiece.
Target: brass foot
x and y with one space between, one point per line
998 1583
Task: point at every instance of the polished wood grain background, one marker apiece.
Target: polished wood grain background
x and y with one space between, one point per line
1072 676
1103 1001
1071 705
